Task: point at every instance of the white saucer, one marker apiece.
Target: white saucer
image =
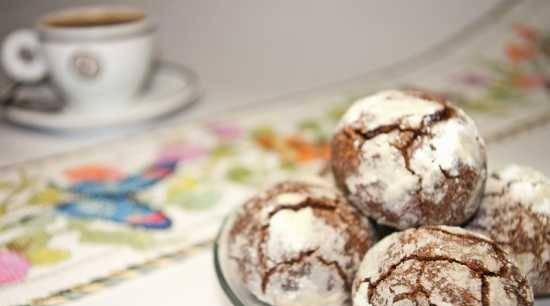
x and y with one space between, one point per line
172 87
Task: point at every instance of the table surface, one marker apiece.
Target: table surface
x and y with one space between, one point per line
253 51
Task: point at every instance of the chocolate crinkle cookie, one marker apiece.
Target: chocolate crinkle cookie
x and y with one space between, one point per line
515 212
299 243
408 159
439 265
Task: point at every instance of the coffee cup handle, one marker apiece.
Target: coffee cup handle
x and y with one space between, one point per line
21 57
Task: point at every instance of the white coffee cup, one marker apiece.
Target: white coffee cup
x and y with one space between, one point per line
98 57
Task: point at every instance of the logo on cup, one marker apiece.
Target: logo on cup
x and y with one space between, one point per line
85 65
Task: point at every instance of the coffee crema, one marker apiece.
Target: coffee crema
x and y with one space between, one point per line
86 19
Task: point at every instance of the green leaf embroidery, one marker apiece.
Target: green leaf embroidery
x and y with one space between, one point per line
132 238
239 174
5 185
309 125
179 186
223 150
16 188
32 240
197 200
288 165
336 112
34 245
46 196
47 256
262 131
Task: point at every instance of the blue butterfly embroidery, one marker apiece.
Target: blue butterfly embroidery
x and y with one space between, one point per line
115 200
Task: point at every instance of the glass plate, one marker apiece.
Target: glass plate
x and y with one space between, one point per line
236 292
227 276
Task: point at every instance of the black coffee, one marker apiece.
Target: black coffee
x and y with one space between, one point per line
93 19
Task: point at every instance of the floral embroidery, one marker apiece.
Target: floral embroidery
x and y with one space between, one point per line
13 267
501 83
122 237
181 152
293 148
47 256
225 130
12 190
47 196
239 174
101 173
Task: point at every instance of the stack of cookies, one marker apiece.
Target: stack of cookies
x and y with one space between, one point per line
412 165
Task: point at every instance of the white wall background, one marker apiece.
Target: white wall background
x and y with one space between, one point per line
246 50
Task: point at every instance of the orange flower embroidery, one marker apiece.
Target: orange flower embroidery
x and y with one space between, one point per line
527 81
526 32
305 151
93 172
293 148
518 52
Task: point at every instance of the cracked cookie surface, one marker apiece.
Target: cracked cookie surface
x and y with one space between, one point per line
408 159
298 243
439 265
515 212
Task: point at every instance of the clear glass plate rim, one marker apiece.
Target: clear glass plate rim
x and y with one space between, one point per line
222 280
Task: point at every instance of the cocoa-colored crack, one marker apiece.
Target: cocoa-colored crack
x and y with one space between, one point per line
502 259
477 269
308 202
339 270
313 204
409 136
344 155
284 187
261 254
500 252
485 291
429 120
447 174
301 256
412 295
509 230
406 152
473 266
443 114
253 225
255 204
384 129
495 194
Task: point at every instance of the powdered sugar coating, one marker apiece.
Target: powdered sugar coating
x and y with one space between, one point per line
439 265
299 244
408 159
515 212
